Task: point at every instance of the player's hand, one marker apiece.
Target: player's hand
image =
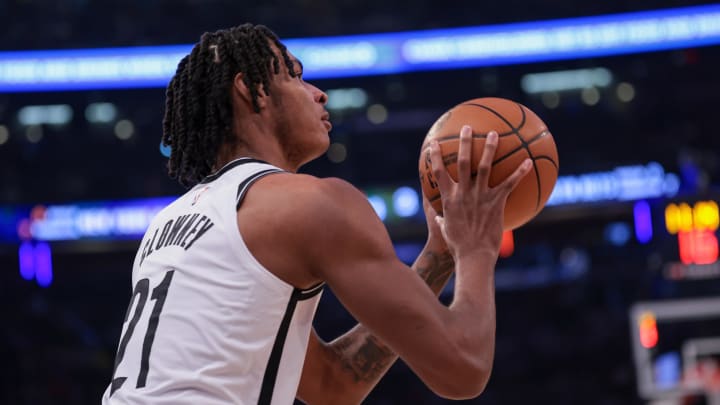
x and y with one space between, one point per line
473 212
435 237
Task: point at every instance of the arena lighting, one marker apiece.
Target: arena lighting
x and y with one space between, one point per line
406 202
374 54
340 99
507 244
43 264
26 258
647 326
668 369
564 80
624 183
99 220
378 204
36 262
695 227
128 219
59 114
165 150
617 233
668 326
101 113
643 221
702 216
698 247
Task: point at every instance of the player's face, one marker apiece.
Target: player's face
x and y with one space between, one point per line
299 111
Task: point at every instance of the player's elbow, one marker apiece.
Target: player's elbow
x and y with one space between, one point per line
462 378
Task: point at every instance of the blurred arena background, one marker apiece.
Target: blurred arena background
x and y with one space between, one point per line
610 296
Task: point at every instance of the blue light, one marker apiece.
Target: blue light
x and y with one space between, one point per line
624 183
667 370
379 206
165 150
374 54
27 261
643 221
406 202
43 264
617 233
408 252
99 220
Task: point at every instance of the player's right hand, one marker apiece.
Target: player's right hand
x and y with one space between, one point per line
473 212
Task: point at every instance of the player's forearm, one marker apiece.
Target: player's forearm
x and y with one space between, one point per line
473 309
362 358
435 265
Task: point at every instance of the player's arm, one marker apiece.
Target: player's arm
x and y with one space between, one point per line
354 363
345 244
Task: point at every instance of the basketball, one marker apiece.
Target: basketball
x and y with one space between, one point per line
521 134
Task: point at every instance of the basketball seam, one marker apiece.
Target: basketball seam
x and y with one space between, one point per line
523 145
544 157
522 122
534 158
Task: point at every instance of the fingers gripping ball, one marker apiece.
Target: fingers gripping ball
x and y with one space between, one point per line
522 134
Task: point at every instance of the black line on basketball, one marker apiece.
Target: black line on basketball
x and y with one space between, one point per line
537 180
475 136
548 158
523 145
514 129
534 138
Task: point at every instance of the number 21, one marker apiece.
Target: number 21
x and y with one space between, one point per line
141 291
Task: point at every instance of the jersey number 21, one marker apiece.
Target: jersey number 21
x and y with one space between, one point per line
140 294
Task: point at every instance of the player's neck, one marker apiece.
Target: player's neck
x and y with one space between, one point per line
258 142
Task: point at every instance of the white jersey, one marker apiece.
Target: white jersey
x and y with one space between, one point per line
207 323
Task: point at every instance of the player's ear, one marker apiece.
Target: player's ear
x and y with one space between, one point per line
243 92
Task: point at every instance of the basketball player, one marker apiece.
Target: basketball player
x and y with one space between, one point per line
227 277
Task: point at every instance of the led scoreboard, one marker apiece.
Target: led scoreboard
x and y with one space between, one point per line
695 227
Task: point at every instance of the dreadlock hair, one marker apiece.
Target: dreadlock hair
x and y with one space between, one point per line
198 110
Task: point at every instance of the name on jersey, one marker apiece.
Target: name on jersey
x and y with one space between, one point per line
182 231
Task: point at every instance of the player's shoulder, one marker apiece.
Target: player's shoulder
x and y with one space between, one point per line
306 188
303 197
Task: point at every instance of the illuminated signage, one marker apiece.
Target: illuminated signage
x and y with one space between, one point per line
108 220
130 218
624 183
373 54
647 326
507 244
700 217
36 262
695 227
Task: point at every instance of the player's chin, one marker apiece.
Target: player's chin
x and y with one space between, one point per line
322 148
322 142
318 148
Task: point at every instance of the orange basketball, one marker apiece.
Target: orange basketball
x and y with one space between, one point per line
522 134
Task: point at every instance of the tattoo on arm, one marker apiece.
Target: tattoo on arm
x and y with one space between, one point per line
435 268
364 355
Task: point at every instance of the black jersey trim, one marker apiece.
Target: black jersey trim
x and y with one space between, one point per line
245 184
271 371
224 169
308 293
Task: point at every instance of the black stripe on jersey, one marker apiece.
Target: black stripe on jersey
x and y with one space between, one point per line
311 292
268 383
243 187
229 166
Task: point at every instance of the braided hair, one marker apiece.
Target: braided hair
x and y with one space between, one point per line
198 109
